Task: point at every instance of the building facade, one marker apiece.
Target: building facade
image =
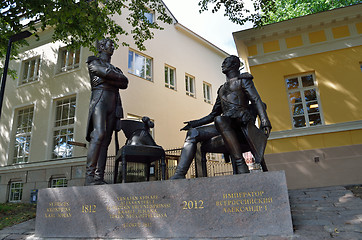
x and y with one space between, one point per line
308 71
45 110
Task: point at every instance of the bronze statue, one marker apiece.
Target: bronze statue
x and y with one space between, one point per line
233 119
105 109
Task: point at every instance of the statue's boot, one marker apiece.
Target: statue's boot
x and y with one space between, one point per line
101 166
187 155
91 166
241 166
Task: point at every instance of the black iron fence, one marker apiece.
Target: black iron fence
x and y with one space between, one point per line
136 172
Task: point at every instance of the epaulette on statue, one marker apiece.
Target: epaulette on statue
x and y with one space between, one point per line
246 75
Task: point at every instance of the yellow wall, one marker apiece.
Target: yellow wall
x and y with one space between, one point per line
339 79
317 141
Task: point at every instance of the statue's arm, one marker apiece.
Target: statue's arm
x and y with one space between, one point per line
216 111
113 76
255 99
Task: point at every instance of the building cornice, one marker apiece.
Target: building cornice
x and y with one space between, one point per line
305 50
304 23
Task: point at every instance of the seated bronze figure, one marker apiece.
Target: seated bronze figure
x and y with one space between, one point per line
233 114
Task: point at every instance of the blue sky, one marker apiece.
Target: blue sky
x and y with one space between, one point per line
214 27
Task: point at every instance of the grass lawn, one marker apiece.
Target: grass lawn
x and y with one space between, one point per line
14 213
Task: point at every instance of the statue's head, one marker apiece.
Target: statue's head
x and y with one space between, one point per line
230 63
105 45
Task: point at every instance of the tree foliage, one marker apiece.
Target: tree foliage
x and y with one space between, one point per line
79 22
271 11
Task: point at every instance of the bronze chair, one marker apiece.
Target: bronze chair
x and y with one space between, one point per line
216 145
139 148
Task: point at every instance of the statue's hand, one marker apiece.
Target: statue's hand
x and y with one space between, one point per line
266 131
189 125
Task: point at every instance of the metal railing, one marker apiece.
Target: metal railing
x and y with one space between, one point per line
136 172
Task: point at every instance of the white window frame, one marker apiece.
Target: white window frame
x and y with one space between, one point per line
58 182
206 87
190 86
303 102
30 74
22 135
143 61
168 77
63 130
72 59
15 191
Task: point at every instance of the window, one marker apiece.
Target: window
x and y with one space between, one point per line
24 127
170 77
15 191
190 85
68 59
30 72
140 65
58 182
149 16
64 128
303 101
207 92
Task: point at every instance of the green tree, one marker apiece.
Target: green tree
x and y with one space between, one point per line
271 11
78 22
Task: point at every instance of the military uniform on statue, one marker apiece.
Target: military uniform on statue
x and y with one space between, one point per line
233 118
105 109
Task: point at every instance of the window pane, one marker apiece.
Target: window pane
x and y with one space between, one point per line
314 119
298 109
172 77
292 83
186 83
166 75
313 107
148 69
149 17
63 58
32 68
26 69
191 85
77 56
307 81
295 97
299 122
37 67
130 60
310 95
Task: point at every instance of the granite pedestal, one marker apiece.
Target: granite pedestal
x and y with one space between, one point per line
227 206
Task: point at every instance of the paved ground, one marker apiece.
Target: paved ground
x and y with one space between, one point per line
319 213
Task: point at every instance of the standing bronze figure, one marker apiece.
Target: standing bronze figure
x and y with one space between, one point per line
233 118
105 109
